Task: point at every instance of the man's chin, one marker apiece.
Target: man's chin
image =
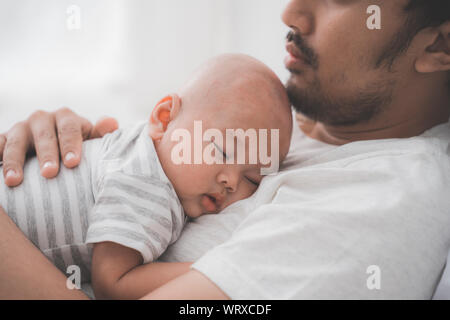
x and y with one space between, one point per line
297 78
296 90
300 84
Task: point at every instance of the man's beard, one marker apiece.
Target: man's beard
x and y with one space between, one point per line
313 102
361 107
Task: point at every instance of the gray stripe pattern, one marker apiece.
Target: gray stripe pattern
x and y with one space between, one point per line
56 253
136 191
125 218
30 213
160 184
134 203
68 228
99 232
126 204
11 204
82 201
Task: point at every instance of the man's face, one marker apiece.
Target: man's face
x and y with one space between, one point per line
338 74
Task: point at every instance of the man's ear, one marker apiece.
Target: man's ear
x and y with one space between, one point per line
164 112
436 56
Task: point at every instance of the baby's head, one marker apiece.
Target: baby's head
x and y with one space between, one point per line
224 130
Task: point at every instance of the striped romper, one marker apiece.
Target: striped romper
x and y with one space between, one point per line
118 193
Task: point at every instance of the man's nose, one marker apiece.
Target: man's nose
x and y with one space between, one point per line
229 180
298 15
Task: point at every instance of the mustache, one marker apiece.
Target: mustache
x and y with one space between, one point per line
308 53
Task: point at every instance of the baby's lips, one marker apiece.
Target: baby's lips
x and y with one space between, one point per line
208 204
219 198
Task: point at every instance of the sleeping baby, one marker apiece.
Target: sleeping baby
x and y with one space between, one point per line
134 189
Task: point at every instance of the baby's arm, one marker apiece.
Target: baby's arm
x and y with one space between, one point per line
118 272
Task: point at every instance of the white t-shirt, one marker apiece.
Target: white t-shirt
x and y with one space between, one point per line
367 220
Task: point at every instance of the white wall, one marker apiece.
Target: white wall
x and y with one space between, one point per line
126 54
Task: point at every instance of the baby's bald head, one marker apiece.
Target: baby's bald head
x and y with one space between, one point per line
233 108
238 91
235 76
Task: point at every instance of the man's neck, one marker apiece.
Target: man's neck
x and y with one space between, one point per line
410 127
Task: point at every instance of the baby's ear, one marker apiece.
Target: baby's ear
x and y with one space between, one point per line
165 111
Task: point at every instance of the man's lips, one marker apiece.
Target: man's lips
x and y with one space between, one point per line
212 202
294 59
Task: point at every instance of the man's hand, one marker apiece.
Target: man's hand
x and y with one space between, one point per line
50 135
192 285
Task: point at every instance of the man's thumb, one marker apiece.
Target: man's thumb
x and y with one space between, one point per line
103 126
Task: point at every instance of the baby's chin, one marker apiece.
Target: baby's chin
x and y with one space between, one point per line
191 209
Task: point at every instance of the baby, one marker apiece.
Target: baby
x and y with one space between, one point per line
130 197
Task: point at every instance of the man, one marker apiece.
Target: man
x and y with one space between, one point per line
360 208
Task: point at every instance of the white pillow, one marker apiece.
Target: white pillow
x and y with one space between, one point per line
443 288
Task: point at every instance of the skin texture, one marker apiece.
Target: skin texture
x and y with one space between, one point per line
346 51
118 273
25 273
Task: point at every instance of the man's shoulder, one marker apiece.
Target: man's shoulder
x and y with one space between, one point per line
405 170
306 152
435 142
432 148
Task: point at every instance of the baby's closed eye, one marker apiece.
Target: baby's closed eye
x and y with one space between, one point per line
252 181
225 156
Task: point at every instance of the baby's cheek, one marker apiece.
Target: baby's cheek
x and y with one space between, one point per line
194 179
250 189
245 191
192 208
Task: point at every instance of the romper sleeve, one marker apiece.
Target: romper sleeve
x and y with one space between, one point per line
137 212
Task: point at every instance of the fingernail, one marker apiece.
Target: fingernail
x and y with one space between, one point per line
11 173
48 164
69 156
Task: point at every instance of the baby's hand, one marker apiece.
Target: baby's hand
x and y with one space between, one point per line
118 272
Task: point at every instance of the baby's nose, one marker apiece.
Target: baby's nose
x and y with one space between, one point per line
229 181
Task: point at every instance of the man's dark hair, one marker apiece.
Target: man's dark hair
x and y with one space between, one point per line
420 14
428 13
